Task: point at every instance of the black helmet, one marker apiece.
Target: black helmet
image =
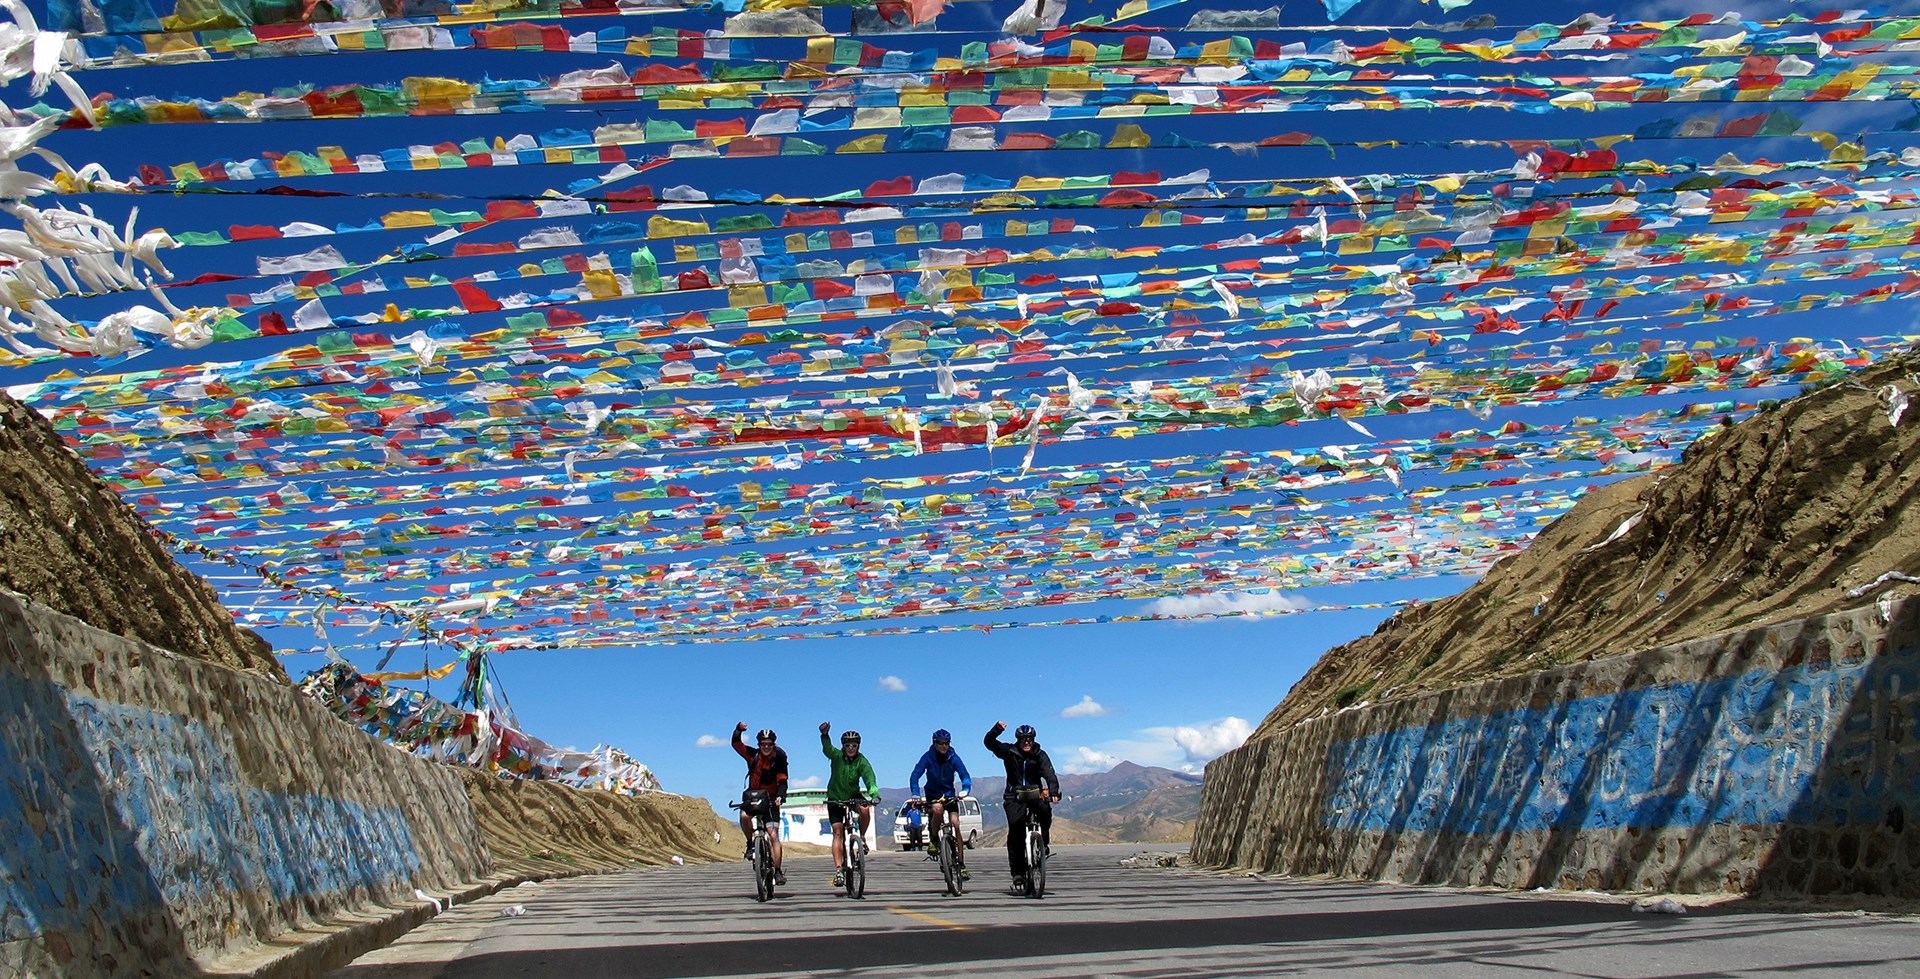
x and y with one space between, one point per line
766 734
850 737
943 735
1026 733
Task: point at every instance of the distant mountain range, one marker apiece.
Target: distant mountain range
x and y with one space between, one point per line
1128 804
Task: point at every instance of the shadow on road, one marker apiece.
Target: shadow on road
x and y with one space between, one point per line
836 953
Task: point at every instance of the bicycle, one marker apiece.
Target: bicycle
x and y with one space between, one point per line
1034 882
759 842
951 868
856 869
947 844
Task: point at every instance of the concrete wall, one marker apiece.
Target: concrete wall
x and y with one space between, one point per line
162 811
1783 759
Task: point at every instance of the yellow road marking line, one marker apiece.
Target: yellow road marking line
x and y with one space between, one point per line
930 919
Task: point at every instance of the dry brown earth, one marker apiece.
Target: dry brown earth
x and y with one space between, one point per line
540 829
68 542
1775 518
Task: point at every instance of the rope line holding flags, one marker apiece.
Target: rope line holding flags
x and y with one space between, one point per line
528 326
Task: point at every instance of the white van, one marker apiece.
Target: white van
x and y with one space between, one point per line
803 819
969 824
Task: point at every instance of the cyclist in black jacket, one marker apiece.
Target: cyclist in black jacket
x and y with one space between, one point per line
1027 767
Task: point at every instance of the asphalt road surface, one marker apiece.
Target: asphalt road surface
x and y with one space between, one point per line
1102 919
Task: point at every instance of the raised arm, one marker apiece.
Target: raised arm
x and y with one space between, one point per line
740 745
999 748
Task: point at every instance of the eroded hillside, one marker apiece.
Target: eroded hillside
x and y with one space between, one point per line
1782 516
67 542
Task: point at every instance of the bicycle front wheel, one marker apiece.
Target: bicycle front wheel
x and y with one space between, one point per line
762 869
856 867
949 867
1036 866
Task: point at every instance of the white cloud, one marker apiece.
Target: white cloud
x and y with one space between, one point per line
1184 748
1087 707
1205 742
893 684
709 741
810 782
1223 603
1087 761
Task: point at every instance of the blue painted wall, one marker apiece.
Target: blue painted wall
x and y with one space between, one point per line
1756 749
134 810
65 853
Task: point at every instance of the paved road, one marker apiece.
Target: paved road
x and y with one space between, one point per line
1105 920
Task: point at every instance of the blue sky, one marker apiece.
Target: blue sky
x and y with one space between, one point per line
1170 693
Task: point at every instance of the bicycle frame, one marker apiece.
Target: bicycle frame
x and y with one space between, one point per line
760 851
1036 859
854 840
946 831
1035 843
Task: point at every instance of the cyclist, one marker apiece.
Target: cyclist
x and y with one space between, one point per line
1028 767
767 771
850 770
940 764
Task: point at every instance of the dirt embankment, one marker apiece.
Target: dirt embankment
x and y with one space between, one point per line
67 542
542 829
1776 518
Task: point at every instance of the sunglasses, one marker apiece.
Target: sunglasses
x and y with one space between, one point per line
943 742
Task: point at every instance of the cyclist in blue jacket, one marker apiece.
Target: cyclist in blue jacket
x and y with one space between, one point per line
940 764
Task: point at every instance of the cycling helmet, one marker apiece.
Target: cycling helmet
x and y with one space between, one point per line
850 737
943 735
1026 733
766 734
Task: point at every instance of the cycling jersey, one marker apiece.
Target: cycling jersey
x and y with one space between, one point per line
764 773
1023 768
848 773
940 774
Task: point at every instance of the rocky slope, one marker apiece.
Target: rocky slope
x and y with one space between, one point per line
540 829
67 542
1787 514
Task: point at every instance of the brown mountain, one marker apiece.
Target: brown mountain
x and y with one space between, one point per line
1129 803
1795 511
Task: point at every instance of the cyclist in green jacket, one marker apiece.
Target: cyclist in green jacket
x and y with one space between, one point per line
850 769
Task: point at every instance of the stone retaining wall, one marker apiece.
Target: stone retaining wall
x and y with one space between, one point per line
162 811
1784 760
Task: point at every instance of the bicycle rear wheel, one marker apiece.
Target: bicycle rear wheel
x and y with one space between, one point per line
762 868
